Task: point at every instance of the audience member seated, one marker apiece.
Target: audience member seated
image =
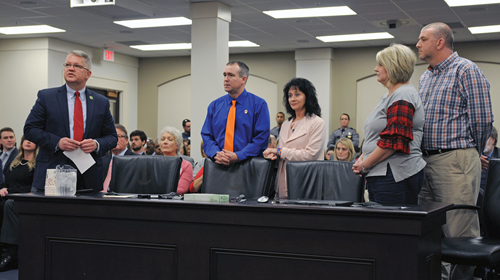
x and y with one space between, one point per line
391 156
186 125
150 147
275 131
157 148
344 151
171 145
120 150
22 171
9 150
198 172
302 136
329 153
344 131
138 141
186 148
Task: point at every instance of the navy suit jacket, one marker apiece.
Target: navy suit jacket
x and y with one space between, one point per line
6 171
48 122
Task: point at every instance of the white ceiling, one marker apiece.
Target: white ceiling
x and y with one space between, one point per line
94 26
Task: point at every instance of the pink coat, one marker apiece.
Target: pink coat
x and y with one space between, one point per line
307 142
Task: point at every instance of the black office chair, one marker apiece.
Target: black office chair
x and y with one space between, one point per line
253 177
145 174
481 251
323 180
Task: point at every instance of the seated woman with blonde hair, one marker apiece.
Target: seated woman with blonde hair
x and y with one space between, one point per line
344 150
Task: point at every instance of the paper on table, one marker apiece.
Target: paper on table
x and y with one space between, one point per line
82 160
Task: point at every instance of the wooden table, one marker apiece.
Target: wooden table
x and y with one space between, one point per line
91 237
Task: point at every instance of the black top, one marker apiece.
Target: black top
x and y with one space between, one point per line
20 178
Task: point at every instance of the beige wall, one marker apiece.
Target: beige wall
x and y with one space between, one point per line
29 65
351 65
276 67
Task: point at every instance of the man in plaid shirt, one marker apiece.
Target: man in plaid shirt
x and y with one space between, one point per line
458 121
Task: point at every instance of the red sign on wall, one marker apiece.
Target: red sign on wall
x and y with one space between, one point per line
109 55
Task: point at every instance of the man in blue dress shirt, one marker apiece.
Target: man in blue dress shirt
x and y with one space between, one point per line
252 122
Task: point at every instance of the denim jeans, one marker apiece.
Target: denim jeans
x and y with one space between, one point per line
385 190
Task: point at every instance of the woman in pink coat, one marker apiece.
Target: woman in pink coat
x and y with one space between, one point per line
302 136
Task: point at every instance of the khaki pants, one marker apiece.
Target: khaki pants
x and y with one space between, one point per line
454 177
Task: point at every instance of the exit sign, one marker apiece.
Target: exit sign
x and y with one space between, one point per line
109 55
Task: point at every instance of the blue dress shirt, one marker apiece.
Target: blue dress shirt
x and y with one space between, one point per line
251 131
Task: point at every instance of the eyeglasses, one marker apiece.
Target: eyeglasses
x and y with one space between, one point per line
76 66
122 136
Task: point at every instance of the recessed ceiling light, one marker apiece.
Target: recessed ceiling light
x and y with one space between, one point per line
484 29
459 3
29 29
303 21
311 12
477 9
355 37
28 3
155 22
187 46
245 43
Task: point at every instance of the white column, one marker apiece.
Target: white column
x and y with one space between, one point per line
209 55
316 66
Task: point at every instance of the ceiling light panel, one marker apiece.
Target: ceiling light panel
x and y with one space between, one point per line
355 37
29 29
311 12
163 47
484 29
460 3
155 22
241 44
187 46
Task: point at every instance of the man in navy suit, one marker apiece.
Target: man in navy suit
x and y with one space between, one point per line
8 152
51 124
64 119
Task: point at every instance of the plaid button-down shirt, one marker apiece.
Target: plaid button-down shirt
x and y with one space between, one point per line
457 105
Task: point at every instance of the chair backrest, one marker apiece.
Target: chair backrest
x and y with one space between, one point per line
253 177
145 174
323 180
491 200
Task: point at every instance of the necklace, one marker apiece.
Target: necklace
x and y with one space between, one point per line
293 124
21 163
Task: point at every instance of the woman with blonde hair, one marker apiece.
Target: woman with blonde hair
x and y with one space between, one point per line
392 159
22 169
344 150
